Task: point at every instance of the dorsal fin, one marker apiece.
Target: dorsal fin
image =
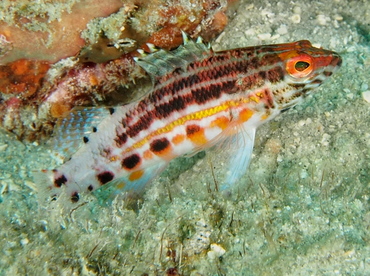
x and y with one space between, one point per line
161 62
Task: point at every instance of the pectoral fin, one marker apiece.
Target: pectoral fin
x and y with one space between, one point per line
232 156
240 155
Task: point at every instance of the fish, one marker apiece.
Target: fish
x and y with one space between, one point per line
200 98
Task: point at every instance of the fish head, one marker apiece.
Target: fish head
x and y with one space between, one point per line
305 68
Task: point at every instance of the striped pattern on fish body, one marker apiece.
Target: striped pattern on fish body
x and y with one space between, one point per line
199 98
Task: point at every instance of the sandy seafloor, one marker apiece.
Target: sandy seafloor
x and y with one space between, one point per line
303 208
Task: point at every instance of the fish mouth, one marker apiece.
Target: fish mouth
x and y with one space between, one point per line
334 65
327 66
336 60
329 61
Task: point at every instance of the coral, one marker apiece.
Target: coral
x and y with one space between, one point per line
89 84
203 18
22 77
54 29
100 73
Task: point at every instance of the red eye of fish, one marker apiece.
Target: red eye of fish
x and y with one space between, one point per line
299 67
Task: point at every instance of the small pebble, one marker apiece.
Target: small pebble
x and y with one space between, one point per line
325 139
264 36
282 30
366 96
296 18
301 123
279 158
24 241
338 17
346 90
321 19
3 147
250 32
303 174
216 251
297 10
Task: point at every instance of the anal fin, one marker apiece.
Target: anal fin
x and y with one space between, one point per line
134 182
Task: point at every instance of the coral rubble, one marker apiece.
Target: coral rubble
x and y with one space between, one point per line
87 62
48 32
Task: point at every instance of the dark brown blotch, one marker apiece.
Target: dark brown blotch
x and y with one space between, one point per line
121 139
105 177
60 181
131 161
191 129
75 197
159 145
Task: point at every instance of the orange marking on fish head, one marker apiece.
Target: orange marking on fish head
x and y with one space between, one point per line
304 59
136 175
196 134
